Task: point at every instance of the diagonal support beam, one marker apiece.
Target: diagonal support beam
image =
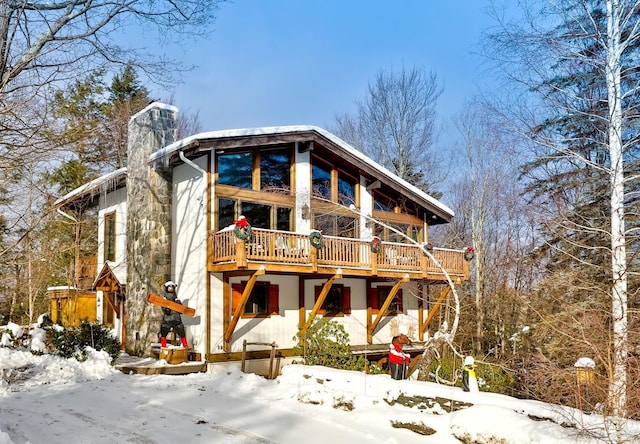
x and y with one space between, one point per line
434 309
243 300
390 297
320 301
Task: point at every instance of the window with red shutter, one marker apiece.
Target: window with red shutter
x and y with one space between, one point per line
264 299
337 301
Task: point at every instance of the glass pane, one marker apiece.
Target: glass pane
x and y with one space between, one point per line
382 203
347 226
226 212
275 170
321 181
257 302
258 215
325 223
236 170
283 221
333 301
346 190
110 237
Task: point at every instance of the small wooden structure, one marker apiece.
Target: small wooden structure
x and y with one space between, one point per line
70 306
272 356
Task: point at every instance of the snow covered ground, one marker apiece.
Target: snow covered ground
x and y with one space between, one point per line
46 399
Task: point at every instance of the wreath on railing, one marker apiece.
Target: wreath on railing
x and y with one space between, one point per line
316 240
242 233
376 245
469 254
242 230
428 247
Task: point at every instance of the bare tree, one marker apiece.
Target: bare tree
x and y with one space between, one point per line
395 125
44 44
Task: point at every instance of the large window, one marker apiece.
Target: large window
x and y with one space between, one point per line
236 170
259 215
275 170
110 237
263 300
337 301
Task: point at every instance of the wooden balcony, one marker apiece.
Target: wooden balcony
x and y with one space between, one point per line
283 251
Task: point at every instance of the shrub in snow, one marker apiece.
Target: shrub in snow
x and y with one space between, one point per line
73 342
327 343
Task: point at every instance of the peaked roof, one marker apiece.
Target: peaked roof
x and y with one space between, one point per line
332 142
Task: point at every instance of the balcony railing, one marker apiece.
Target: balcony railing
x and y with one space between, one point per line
294 249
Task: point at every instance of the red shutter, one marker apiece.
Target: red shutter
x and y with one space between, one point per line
346 300
274 299
236 294
400 300
373 299
316 290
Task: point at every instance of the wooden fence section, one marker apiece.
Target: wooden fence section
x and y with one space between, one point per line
283 247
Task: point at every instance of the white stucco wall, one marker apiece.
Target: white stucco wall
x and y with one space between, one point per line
283 328
188 249
110 202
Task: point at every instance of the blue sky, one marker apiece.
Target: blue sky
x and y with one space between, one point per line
302 62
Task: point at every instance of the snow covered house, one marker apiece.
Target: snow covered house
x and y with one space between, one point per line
329 236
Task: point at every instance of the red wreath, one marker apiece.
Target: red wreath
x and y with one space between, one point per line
469 254
376 245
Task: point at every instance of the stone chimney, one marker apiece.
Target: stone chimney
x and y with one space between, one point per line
148 224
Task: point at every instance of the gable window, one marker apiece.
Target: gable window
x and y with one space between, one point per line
321 180
110 237
378 295
337 301
275 170
236 169
263 300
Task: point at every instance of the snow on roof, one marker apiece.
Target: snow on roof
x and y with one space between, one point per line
344 146
119 270
90 187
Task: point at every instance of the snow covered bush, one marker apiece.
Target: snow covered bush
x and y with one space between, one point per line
73 342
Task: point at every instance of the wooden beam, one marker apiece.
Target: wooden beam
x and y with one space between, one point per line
320 301
385 307
236 315
423 326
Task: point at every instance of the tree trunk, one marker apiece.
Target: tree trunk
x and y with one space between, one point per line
618 378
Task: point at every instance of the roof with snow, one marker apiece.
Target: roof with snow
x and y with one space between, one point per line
193 145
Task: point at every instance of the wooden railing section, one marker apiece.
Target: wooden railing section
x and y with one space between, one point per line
283 247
